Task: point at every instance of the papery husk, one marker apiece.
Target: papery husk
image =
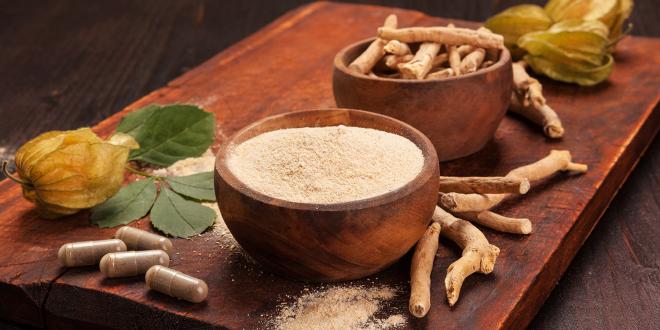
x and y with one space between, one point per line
66 171
516 21
573 51
573 43
612 13
586 76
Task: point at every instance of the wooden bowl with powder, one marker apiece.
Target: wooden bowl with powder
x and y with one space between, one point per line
458 114
327 195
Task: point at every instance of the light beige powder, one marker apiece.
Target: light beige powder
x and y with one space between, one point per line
340 307
326 165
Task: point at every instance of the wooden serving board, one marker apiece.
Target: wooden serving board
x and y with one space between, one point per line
287 66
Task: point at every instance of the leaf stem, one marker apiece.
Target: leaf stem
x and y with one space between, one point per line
142 173
13 178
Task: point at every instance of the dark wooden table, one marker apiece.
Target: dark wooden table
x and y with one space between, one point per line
67 64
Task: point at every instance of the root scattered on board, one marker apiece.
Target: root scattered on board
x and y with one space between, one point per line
527 100
479 195
478 255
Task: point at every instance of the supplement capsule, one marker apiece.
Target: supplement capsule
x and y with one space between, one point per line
88 253
131 263
176 284
137 239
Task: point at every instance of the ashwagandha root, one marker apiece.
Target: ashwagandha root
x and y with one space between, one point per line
472 61
366 61
454 58
527 100
397 47
443 35
492 54
486 64
556 161
392 61
478 255
498 222
420 271
444 73
421 64
439 60
483 185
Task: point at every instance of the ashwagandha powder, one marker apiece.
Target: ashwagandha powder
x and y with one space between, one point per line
341 307
326 165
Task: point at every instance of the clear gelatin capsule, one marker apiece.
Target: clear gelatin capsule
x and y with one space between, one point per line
89 252
176 284
138 239
132 263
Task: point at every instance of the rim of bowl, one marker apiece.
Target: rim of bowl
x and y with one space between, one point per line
428 152
505 56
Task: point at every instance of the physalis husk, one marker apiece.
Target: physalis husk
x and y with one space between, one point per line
516 21
63 172
572 50
612 13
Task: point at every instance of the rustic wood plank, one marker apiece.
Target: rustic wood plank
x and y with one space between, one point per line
306 85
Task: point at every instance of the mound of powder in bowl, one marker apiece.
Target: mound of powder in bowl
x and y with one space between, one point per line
326 165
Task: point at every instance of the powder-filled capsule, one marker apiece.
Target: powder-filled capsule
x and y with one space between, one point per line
176 284
89 252
137 239
132 263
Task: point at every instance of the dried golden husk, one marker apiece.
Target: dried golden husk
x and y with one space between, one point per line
516 21
612 13
67 171
571 51
588 76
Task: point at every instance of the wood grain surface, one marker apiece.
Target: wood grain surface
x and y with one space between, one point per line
90 65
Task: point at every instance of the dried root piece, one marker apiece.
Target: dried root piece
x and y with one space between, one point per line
443 35
486 64
439 60
366 61
528 101
420 271
444 73
478 255
472 61
421 64
499 222
397 47
454 58
483 185
556 161
392 61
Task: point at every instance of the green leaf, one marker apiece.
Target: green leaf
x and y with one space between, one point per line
178 217
133 121
197 186
130 203
172 133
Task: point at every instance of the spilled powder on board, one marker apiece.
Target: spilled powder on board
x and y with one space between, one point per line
326 165
341 307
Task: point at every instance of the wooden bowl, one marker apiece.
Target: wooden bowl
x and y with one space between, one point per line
328 242
458 114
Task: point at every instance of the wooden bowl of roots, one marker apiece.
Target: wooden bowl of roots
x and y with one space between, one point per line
328 242
458 114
